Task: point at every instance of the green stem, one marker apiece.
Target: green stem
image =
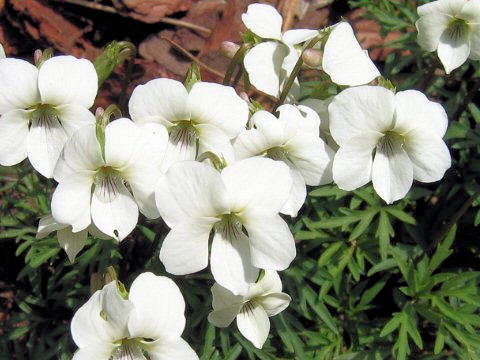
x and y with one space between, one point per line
237 58
294 73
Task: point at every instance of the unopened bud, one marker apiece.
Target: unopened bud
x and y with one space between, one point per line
244 96
99 112
229 49
96 282
110 275
37 56
312 57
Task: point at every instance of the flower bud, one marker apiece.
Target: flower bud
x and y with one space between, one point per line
37 56
229 49
312 57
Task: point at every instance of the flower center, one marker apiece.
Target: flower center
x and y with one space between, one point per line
130 349
279 153
183 132
457 30
45 116
389 142
107 184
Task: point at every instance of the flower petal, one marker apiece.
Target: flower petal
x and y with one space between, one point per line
73 117
270 127
45 142
225 305
250 143
269 283
432 23
414 110
263 64
213 139
160 100
344 60
321 108
13 137
101 351
71 202
190 190
392 172
352 165
181 145
18 88
298 36
263 20
185 248
271 243
361 109
72 242
46 225
164 349
230 114
453 50
274 303
257 183
253 323
230 258
475 43
116 310
158 308
68 80
114 211
298 193
429 155
2 52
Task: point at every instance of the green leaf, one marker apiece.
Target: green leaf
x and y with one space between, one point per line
114 54
401 215
363 224
392 324
382 266
369 294
319 308
384 233
443 250
329 252
439 342
193 76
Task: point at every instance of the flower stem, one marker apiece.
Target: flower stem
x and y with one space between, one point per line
294 73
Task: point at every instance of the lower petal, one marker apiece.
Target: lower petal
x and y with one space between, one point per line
453 52
72 242
392 172
182 145
164 349
13 137
253 323
216 141
275 303
114 211
74 117
298 193
100 352
185 248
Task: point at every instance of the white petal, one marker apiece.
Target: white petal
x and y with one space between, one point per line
185 248
321 108
137 154
2 52
453 52
216 141
275 303
73 117
298 193
93 230
352 165
257 183
344 60
475 44
45 141
218 105
116 310
269 283
160 100
13 137
392 172
72 242
101 351
297 118
430 27
263 64
263 20
18 88
414 110
68 80
360 109
88 328
164 349
311 157
182 145
250 143
429 155
46 225
230 258
253 323
225 305
158 308
114 211
190 190
270 127
71 202
271 243
297 36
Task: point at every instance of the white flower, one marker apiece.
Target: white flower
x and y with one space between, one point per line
344 60
118 326
452 28
91 187
210 114
404 130
193 199
69 241
41 109
293 138
270 63
252 310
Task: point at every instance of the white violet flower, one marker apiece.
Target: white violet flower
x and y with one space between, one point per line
452 28
40 109
205 119
293 138
194 199
71 242
404 132
92 185
252 310
116 325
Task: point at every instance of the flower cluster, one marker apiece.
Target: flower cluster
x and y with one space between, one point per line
211 170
